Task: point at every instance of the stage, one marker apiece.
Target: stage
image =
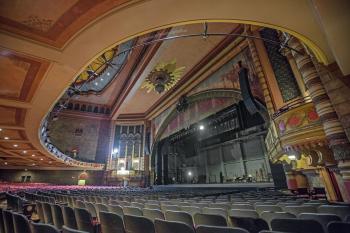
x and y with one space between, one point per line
226 186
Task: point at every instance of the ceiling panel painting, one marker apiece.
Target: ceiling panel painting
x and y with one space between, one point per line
57 23
20 75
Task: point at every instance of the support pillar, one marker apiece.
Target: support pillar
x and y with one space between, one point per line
334 131
261 76
335 134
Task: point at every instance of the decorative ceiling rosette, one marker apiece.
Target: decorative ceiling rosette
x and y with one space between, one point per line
163 77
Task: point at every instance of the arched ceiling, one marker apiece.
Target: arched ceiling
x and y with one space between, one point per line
45 45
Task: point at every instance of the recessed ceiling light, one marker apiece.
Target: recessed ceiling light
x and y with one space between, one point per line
24 152
41 159
5 163
6 138
0 129
33 164
102 79
50 161
33 155
108 73
96 83
15 145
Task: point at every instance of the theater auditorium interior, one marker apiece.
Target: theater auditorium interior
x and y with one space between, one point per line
174 116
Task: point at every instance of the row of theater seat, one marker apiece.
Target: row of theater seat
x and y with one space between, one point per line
249 211
113 223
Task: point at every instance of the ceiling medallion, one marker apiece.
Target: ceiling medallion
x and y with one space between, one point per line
163 77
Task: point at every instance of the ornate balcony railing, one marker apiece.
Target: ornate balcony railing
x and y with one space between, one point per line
54 151
294 127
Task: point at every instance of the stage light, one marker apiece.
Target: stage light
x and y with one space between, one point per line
115 151
189 173
201 127
292 157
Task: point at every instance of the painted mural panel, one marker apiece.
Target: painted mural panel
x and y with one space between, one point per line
226 77
76 137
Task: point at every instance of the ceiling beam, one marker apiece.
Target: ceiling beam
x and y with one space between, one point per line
15 103
14 127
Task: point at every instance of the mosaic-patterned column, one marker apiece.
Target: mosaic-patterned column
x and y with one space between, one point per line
334 131
261 76
335 134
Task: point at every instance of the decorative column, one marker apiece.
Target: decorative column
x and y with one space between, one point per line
261 76
335 134
334 131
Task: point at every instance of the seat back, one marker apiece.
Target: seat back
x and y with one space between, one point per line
171 208
323 219
338 227
129 210
243 213
213 229
69 217
225 206
70 230
8 221
43 228
100 207
191 209
341 211
57 216
152 214
2 229
80 204
269 216
111 222
138 205
152 206
272 208
252 225
138 224
217 211
242 206
210 220
91 208
84 220
40 211
20 223
179 216
163 226
297 225
116 209
296 210
47 213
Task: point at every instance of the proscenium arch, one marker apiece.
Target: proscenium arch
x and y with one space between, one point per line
120 25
